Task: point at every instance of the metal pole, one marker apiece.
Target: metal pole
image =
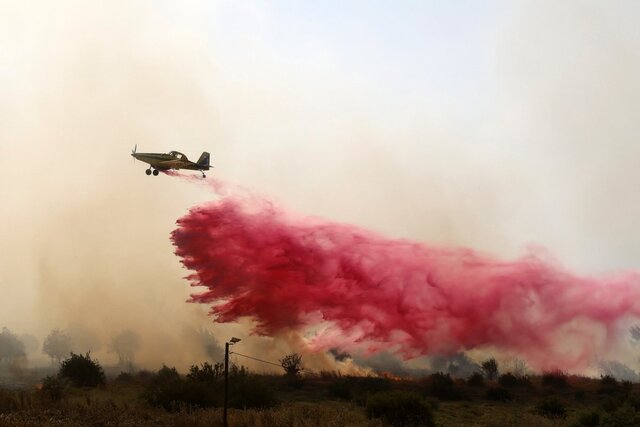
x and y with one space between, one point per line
226 383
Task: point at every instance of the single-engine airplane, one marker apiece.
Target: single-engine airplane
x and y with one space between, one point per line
171 160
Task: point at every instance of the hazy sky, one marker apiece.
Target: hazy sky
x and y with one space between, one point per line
491 124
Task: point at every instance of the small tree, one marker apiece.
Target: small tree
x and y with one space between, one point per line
292 364
57 345
490 368
11 348
126 344
82 371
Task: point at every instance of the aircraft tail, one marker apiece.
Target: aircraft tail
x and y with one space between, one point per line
204 159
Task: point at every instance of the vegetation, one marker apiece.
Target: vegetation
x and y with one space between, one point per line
57 345
82 371
195 397
490 369
400 408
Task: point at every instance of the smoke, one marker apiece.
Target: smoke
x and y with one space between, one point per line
543 151
288 272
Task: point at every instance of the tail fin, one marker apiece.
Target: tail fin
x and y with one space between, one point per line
204 159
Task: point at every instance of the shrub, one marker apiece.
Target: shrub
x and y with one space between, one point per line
498 394
490 368
608 385
202 389
363 387
589 419
8 402
250 391
125 378
441 386
400 409
164 389
551 408
53 388
476 380
510 380
624 416
340 389
206 373
556 379
82 371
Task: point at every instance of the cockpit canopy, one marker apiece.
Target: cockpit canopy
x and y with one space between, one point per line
178 155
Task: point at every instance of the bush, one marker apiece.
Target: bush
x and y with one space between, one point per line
551 408
165 389
8 402
608 385
340 389
556 379
203 388
441 386
589 419
476 380
82 371
206 373
363 387
490 368
498 394
250 391
510 380
53 388
624 416
125 378
400 409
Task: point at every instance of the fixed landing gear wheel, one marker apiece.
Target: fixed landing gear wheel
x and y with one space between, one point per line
155 172
148 171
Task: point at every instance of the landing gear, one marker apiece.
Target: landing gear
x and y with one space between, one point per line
203 175
148 171
155 172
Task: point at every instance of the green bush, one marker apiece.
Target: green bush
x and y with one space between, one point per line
441 385
53 388
203 387
589 419
510 380
82 371
165 389
340 389
556 379
608 385
476 380
400 409
624 416
551 408
498 394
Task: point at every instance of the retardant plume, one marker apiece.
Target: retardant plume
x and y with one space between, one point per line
286 271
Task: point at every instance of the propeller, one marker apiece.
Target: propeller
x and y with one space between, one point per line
134 152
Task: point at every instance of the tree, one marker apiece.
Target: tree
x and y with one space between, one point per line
82 371
11 348
57 345
210 344
126 344
292 364
490 368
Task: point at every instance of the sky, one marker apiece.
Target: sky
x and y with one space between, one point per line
497 125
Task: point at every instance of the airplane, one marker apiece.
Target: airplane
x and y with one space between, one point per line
171 160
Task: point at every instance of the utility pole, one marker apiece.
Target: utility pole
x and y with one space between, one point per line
231 342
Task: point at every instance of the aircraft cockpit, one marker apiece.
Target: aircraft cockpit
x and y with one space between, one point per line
177 155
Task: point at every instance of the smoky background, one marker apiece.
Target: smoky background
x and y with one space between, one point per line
540 150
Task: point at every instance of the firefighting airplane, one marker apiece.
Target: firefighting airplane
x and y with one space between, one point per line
172 160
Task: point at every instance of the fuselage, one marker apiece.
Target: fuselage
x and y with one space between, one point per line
172 160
